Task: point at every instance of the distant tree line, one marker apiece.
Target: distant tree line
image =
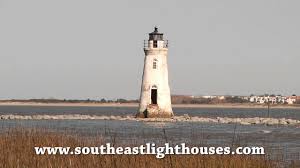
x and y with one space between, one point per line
176 99
235 99
179 99
71 101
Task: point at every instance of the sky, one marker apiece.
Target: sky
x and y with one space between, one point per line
74 49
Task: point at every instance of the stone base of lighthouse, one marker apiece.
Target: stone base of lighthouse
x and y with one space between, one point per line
153 111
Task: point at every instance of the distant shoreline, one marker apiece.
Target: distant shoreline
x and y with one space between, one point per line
227 105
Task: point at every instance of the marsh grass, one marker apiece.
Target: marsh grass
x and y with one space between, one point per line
17 151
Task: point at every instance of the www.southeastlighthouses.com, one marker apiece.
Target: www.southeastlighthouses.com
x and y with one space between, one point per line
155 98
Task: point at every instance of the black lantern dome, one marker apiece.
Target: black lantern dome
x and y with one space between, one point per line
155 35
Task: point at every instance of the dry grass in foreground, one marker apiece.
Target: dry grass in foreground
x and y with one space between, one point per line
17 151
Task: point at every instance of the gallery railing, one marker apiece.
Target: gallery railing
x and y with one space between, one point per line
165 44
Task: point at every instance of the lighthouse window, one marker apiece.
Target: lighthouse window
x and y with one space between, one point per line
154 44
155 64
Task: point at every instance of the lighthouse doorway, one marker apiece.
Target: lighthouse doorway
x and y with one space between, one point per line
153 96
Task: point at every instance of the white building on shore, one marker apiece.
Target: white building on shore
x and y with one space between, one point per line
273 99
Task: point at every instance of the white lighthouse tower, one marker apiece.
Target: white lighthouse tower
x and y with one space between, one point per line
155 98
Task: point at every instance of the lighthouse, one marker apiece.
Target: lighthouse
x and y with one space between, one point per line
155 98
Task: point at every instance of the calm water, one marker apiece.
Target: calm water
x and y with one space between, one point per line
280 141
205 112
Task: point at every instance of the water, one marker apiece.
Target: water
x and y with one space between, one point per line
280 141
204 112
